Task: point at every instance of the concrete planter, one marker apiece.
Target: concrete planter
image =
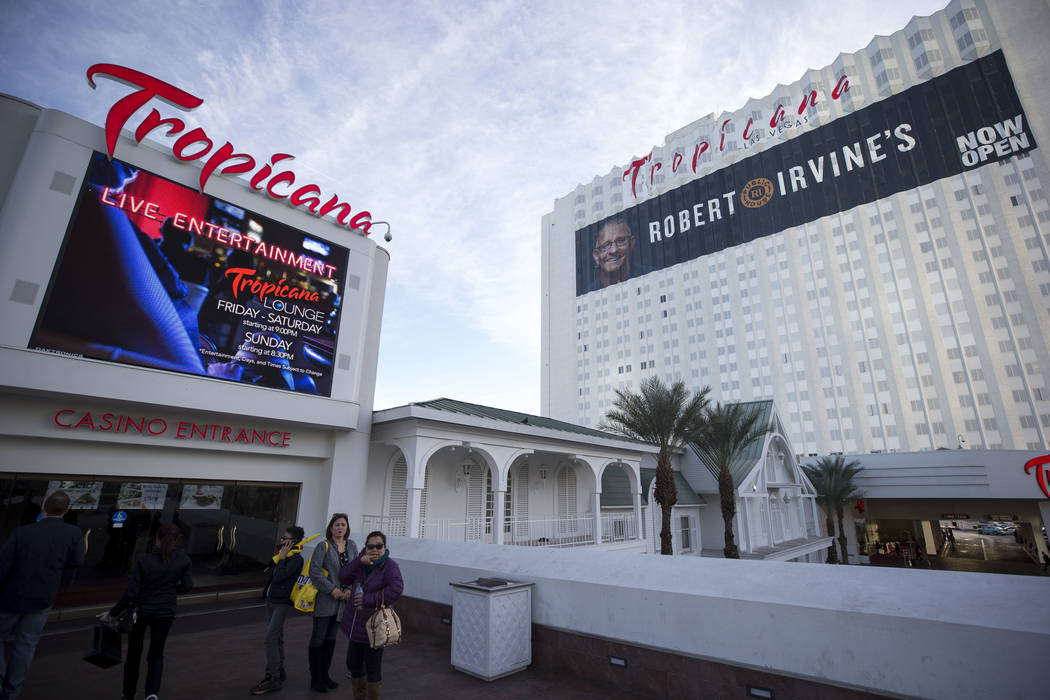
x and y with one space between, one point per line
491 627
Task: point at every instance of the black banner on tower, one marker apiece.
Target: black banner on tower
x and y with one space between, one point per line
958 121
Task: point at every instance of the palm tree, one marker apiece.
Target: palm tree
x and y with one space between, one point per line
832 477
668 417
731 429
821 481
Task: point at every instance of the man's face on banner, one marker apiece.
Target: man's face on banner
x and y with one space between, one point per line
614 244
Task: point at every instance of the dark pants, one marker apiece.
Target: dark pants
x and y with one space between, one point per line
361 658
158 635
325 630
276 613
25 627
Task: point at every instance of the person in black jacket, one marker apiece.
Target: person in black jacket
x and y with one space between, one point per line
283 575
31 566
155 580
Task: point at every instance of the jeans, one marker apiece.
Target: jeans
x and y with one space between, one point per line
361 657
274 640
158 635
325 630
26 628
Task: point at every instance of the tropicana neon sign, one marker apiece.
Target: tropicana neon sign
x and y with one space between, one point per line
1042 466
195 144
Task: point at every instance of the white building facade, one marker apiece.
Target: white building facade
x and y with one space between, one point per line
140 375
455 471
904 322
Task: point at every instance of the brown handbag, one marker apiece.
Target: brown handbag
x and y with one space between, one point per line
384 627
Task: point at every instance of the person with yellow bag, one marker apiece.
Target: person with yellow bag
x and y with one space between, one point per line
335 551
287 564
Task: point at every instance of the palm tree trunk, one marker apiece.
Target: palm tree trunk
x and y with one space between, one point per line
666 496
842 535
833 557
728 499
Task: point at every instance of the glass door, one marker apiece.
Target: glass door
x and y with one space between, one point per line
229 529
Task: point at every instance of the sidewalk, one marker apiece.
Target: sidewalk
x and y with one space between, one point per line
215 652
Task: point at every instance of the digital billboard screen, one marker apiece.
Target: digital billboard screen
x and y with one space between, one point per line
156 274
958 121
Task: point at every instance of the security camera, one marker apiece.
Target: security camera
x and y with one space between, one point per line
386 236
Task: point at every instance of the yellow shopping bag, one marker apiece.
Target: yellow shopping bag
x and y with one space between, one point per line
304 592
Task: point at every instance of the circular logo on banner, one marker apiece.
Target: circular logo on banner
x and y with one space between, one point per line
756 193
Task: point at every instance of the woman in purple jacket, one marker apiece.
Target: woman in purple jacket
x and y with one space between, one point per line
376 579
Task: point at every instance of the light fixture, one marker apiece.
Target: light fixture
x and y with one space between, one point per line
543 472
754 487
459 478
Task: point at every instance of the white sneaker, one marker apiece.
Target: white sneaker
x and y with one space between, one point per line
152 696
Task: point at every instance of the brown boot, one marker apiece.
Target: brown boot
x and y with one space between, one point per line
373 690
360 686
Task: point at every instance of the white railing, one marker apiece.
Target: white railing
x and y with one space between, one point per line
618 527
465 530
568 531
388 525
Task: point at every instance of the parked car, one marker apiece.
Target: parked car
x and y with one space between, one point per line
990 530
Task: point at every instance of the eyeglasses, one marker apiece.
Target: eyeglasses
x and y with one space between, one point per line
620 242
287 539
374 546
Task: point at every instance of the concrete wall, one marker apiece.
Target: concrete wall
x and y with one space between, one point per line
931 634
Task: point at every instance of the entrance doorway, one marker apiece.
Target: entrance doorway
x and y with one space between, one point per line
229 528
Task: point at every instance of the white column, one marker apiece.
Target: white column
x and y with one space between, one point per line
929 545
598 518
498 504
343 492
744 533
769 520
415 479
415 499
637 501
817 520
800 513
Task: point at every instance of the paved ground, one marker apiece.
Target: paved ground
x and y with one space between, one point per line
971 545
216 652
996 554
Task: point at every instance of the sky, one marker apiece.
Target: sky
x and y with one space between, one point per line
459 123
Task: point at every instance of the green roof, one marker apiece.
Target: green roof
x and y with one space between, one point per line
740 467
518 418
687 496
